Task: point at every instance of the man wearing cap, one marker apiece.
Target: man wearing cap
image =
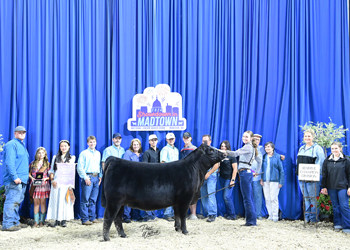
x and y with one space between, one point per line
151 155
15 177
187 149
168 154
209 186
115 150
256 186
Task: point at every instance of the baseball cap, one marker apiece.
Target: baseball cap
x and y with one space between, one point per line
153 136
170 136
115 135
187 134
257 135
20 128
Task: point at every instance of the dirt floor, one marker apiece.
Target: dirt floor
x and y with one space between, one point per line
160 234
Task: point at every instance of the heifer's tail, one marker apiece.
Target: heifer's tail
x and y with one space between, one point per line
103 197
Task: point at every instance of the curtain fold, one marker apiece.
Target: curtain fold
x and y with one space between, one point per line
69 69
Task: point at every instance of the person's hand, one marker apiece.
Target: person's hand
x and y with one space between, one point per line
325 191
232 183
207 175
279 185
255 174
261 182
99 182
17 181
32 178
54 184
283 157
348 192
87 182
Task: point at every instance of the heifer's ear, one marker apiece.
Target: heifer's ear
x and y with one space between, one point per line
201 150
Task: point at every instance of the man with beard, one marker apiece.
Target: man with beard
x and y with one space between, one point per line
114 150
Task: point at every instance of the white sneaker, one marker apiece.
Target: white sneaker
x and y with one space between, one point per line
192 217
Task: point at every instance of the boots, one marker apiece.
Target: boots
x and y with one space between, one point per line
42 219
36 220
63 223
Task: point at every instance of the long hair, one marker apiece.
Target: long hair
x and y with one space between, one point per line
59 155
132 149
46 162
255 145
227 144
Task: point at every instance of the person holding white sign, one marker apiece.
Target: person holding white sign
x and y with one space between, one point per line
60 210
310 153
336 183
272 179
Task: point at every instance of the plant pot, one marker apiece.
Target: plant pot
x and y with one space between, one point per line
326 217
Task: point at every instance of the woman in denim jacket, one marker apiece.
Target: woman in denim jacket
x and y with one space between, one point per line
272 179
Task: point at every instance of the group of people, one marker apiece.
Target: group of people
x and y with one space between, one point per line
260 172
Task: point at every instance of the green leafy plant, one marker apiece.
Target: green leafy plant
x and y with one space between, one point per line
325 133
324 204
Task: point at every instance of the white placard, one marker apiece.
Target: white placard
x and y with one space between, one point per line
309 172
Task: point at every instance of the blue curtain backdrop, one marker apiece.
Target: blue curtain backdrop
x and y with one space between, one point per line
69 69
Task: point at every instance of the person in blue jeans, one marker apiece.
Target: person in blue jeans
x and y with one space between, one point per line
257 188
209 202
310 153
336 183
134 153
247 154
16 174
228 172
90 171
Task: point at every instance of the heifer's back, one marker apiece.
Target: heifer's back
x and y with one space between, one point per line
149 186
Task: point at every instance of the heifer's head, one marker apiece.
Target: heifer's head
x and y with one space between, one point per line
211 154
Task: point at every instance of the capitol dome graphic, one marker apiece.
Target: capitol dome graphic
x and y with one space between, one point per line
157 107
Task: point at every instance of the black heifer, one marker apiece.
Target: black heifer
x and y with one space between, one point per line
151 186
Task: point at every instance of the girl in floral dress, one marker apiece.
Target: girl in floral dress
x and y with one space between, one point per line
40 193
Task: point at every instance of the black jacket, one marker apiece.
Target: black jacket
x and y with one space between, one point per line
336 174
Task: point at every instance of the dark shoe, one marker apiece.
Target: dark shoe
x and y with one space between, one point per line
127 221
247 225
63 223
169 219
12 229
57 223
22 225
337 229
87 223
211 218
231 218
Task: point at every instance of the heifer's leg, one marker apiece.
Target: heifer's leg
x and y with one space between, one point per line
118 223
183 208
177 224
108 217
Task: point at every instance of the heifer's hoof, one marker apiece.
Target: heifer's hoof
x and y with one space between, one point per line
185 232
106 238
177 229
123 235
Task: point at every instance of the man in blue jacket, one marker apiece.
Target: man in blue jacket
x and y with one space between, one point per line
15 176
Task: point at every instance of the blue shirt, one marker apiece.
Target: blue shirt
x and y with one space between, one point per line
187 150
169 154
113 151
268 168
16 160
89 162
131 156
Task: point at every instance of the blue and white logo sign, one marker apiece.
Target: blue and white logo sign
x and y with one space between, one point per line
157 109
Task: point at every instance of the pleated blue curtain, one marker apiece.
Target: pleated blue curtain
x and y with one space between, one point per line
69 69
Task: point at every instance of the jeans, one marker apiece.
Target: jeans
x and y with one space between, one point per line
127 213
341 211
14 197
228 198
257 194
271 191
310 203
148 214
246 179
88 199
209 202
168 212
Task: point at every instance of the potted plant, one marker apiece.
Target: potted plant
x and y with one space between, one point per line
325 206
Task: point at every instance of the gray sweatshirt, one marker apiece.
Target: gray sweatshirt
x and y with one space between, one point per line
245 155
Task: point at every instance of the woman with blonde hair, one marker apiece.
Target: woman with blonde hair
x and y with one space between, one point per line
247 154
310 153
39 167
